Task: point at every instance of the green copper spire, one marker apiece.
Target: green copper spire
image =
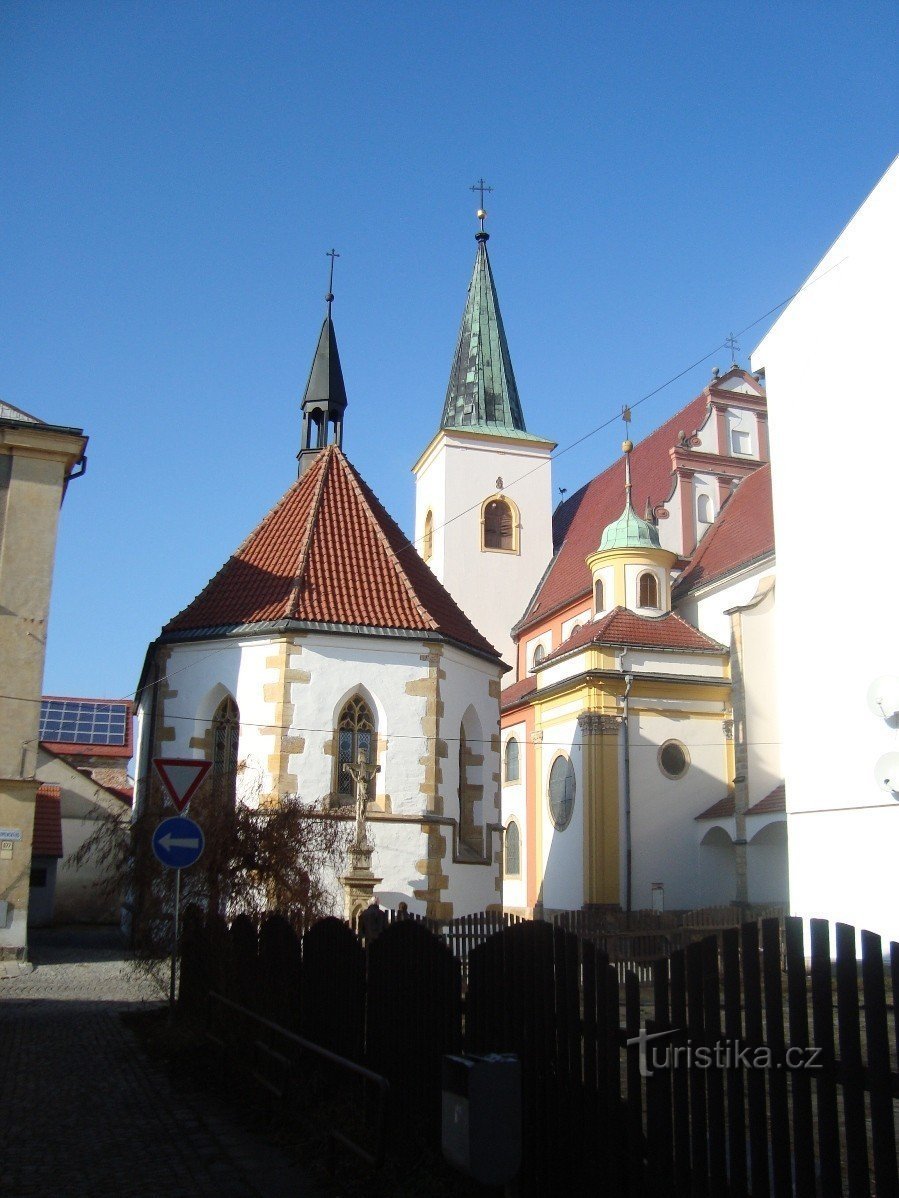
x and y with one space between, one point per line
629 531
482 394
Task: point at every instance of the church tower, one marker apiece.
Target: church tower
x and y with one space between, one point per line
483 503
324 401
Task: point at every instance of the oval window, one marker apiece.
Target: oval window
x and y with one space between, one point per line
561 793
674 759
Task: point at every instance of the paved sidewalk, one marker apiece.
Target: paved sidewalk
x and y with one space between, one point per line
85 1113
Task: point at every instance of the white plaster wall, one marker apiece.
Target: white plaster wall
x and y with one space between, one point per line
431 495
704 484
766 860
562 856
514 806
762 701
607 577
576 621
705 609
739 420
663 810
826 353
492 588
338 667
670 528
705 665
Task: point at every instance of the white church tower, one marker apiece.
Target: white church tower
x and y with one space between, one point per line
483 507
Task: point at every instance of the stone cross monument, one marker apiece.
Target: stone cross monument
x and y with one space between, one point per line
359 883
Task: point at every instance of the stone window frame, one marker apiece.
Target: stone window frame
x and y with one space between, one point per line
341 797
507 775
678 744
515 546
225 734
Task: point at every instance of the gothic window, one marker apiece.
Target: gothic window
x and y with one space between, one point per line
561 792
512 851
512 762
599 600
704 509
649 591
499 525
225 734
539 654
427 544
355 731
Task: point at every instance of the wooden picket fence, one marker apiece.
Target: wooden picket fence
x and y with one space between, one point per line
801 1099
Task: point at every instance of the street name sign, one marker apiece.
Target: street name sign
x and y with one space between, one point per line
178 842
181 776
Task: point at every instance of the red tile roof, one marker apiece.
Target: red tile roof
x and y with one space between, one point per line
328 552
47 840
623 627
772 803
581 519
518 691
743 533
721 810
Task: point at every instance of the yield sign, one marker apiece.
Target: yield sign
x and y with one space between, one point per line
181 776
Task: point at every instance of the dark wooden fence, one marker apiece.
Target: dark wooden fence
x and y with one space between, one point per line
773 1070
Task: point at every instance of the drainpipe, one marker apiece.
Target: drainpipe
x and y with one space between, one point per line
625 727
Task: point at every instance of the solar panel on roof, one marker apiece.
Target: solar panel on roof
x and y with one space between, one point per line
84 722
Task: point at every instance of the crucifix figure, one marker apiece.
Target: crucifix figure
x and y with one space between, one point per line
362 774
481 186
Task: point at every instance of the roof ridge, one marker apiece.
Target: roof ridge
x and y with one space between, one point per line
355 482
306 542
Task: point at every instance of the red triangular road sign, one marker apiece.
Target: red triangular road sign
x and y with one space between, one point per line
181 776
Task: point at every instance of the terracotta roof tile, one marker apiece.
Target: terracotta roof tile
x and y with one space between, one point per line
772 803
47 840
720 810
623 627
328 552
515 693
579 521
742 533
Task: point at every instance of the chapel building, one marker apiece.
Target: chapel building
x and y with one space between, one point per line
324 635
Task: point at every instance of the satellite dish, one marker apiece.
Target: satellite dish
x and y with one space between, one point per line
887 771
883 697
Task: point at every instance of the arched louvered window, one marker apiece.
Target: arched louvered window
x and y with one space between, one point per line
649 590
355 731
512 760
599 598
512 850
427 540
225 735
499 525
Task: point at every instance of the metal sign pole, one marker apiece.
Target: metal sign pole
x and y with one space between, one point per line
174 943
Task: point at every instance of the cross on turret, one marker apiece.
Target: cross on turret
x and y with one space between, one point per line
481 187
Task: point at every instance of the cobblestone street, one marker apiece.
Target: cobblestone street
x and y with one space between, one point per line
85 1113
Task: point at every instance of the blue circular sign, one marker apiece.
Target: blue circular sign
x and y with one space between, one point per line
178 842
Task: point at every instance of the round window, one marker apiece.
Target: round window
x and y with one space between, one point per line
674 760
561 793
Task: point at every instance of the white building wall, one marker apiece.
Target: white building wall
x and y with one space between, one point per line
562 852
338 667
663 809
828 352
514 806
454 477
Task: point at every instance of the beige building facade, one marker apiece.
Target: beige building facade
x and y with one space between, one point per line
37 461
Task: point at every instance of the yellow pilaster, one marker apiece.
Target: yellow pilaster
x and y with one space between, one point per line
599 747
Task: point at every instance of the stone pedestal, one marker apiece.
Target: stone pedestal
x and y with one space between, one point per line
359 882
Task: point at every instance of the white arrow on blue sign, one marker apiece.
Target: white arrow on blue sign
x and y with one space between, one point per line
178 842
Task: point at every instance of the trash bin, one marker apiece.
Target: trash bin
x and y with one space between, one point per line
482 1116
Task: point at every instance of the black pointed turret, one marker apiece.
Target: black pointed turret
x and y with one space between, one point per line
325 400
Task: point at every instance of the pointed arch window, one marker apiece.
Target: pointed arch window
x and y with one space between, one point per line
513 765
649 591
499 526
599 598
225 736
427 541
355 731
512 851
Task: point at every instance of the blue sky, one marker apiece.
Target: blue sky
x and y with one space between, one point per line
663 174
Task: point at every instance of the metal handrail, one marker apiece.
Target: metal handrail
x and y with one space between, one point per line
376 1158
